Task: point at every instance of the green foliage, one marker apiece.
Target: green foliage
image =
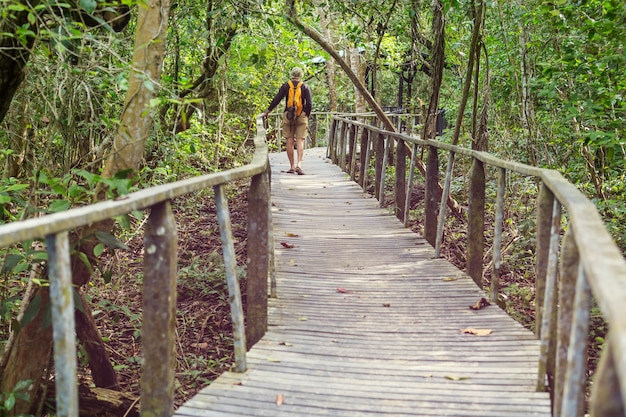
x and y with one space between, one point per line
8 399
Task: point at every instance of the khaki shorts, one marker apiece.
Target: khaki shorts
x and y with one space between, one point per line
295 128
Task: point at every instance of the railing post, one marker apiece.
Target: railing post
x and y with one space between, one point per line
606 398
380 156
342 145
443 205
409 187
230 267
400 180
546 362
574 389
567 293
258 258
353 143
497 237
383 172
476 222
432 195
159 312
332 142
366 162
544 220
364 140
63 328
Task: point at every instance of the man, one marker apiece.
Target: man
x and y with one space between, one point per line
294 129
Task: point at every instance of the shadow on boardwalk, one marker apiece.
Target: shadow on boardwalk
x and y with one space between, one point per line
368 323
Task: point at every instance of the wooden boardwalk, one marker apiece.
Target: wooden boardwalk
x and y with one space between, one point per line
368 323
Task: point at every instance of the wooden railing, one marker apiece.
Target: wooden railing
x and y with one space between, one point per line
160 274
586 263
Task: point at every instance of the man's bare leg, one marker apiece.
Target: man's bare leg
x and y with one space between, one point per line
290 155
300 146
300 150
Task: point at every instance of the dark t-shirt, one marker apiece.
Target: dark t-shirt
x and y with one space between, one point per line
283 92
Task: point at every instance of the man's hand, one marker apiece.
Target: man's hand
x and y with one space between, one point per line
265 114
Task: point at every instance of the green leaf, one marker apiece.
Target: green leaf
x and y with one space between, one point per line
107 275
98 249
59 205
109 240
83 257
9 402
31 310
88 5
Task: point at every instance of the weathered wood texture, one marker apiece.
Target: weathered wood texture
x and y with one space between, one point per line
367 322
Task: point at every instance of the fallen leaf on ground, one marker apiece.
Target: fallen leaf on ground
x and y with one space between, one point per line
456 378
287 245
480 304
291 234
386 305
477 332
273 360
285 344
202 345
302 318
280 398
447 279
343 291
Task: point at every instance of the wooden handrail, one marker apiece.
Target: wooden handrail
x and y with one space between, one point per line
160 273
586 263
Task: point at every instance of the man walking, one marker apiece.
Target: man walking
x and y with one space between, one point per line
295 120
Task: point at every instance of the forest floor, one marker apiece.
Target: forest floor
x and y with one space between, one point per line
204 342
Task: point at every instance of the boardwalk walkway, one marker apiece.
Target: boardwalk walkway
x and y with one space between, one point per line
367 323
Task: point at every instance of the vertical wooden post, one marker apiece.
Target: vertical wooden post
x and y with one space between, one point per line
380 155
342 145
409 187
258 258
606 398
63 328
567 292
364 157
230 267
353 153
443 205
367 159
574 388
400 180
383 172
432 196
476 222
549 304
332 142
545 201
159 313
497 237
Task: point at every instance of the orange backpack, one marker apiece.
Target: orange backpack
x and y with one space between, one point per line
294 101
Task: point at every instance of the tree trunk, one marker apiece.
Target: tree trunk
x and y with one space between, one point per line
30 354
15 54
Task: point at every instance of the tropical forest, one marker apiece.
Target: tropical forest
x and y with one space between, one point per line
102 98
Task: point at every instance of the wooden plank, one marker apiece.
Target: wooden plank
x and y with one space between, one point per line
368 323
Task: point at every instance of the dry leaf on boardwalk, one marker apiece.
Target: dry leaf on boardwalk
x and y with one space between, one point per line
456 378
291 234
343 291
480 304
448 279
287 245
280 399
477 332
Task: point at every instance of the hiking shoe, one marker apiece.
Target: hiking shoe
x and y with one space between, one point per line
299 171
